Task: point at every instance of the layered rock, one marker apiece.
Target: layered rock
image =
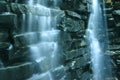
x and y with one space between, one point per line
72 16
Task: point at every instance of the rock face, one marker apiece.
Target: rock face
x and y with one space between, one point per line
72 18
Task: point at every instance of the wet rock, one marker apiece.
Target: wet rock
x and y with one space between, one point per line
3 7
8 19
111 22
74 53
76 63
85 76
58 73
4 36
71 25
44 76
82 8
35 37
19 8
35 9
53 74
4 45
16 72
114 47
26 39
73 14
45 64
33 52
114 41
116 12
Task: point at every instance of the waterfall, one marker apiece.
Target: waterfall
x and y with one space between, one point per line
98 41
42 40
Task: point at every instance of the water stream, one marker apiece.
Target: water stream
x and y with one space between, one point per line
98 41
45 50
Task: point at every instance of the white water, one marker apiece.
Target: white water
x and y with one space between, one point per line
45 51
96 29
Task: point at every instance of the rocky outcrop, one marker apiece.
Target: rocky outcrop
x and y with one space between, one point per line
113 32
72 18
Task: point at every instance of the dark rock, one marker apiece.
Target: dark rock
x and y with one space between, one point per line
3 7
43 76
58 73
35 37
8 19
111 22
114 41
4 46
71 25
16 72
26 39
77 63
73 14
19 8
85 76
79 72
74 53
82 8
53 74
116 12
4 36
114 47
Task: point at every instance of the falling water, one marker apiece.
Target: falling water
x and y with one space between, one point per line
97 38
45 50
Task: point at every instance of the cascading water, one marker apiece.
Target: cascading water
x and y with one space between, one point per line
44 51
98 41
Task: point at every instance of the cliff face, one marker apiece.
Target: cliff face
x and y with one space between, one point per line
72 20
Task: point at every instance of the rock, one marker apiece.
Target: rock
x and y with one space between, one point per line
35 10
79 72
116 12
74 53
8 19
19 8
114 41
4 45
82 8
3 7
73 14
71 25
44 76
1 64
4 36
86 76
26 39
78 63
58 73
114 47
16 72
30 38
111 22
53 74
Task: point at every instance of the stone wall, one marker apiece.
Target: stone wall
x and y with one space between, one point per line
72 22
